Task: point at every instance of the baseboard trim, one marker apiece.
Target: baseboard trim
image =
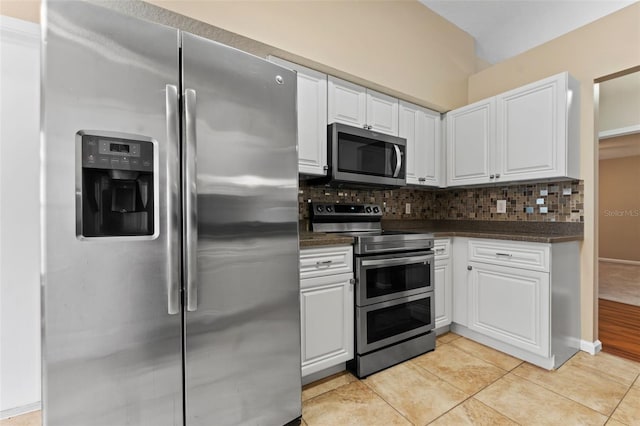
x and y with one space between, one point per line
623 261
591 347
17 411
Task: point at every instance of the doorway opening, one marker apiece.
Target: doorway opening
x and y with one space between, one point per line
618 180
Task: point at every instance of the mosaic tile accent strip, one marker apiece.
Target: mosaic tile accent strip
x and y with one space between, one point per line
562 201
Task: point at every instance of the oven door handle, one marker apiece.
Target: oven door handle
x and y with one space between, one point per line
398 261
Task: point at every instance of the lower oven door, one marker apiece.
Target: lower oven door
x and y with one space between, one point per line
387 277
386 323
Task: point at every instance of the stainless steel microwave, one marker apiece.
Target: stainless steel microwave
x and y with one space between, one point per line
361 157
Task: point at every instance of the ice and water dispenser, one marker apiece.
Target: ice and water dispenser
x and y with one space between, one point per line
117 186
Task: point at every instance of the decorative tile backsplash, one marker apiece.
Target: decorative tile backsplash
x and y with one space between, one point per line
563 201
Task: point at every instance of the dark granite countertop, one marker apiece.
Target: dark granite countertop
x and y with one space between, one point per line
534 232
317 239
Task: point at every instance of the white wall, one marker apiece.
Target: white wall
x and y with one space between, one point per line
19 216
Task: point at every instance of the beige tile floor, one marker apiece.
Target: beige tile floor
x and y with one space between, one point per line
619 282
465 383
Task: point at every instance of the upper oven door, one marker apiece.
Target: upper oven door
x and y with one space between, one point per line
363 156
387 277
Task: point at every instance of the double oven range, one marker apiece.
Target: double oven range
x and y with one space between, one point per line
394 274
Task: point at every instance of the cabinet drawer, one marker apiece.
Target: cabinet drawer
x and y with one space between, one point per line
532 256
442 248
315 262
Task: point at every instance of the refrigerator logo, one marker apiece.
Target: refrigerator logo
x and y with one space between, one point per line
279 79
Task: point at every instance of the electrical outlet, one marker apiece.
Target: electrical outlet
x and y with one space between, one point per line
407 208
544 192
540 201
544 210
566 191
501 206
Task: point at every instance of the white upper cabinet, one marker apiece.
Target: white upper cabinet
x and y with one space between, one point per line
537 134
470 143
361 107
424 155
312 118
528 133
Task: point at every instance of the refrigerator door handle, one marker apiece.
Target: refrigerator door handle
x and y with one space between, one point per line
173 199
191 200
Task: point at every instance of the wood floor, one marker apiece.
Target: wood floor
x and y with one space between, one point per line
619 329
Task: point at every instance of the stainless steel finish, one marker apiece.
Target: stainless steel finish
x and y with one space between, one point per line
504 254
398 161
404 260
373 362
174 283
361 323
363 264
469 268
347 227
337 177
371 244
111 352
242 344
191 200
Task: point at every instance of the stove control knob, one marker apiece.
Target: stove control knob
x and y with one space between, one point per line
376 209
329 209
319 209
368 209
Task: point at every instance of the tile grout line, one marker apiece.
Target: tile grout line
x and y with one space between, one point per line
473 394
388 403
637 379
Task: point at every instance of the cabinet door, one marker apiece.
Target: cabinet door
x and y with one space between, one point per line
421 128
382 113
444 283
326 310
312 118
470 143
510 305
531 134
347 102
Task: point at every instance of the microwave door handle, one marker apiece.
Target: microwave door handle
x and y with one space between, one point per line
191 200
173 199
398 161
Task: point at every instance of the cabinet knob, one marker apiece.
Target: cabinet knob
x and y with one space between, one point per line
422 179
364 126
497 175
492 176
469 268
352 281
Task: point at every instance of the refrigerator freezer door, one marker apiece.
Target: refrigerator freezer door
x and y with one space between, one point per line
242 362
112 352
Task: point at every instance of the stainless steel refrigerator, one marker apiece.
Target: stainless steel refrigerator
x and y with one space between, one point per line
170 253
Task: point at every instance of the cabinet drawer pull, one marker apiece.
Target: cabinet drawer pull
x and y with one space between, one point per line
504 254
422 179
492 176
324 263
469 268
439 250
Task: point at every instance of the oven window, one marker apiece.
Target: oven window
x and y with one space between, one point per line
364 156
393 320
381 281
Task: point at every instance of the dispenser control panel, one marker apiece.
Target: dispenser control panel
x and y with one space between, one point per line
100 152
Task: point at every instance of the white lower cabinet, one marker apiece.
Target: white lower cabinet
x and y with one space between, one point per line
326 310
510 305
521 298
443 283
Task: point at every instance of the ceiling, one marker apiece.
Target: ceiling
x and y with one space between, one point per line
506 28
